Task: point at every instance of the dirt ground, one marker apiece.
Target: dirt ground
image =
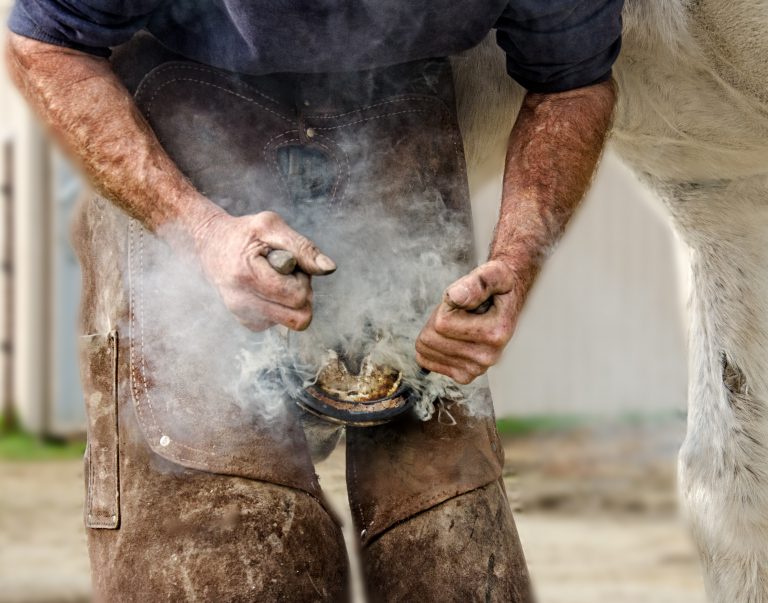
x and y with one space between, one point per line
595 510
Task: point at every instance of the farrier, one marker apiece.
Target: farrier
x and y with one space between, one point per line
190 494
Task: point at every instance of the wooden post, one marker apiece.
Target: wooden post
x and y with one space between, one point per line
32 274
10 419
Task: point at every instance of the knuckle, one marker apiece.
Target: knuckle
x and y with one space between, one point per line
253 323
473 369
462 377
269 217
487 358
428 339
481 370
442 323
497 336
422 360
290 295
259 325
479 283
238 307
306 247
302 321
245 276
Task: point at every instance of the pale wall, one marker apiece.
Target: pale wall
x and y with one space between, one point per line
603 331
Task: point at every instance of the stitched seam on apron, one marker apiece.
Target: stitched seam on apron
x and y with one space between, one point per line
276 136
336 185
204 83
426 505
104 519
181 65
205 453
134 372
397 99
89 496
359 121
273 160
358 506
453 135
340 176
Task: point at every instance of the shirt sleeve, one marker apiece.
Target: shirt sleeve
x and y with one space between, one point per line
560 45
91 26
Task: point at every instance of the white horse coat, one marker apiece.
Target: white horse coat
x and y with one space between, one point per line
692 121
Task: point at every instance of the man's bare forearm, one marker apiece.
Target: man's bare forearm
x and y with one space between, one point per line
553 151
94 116
89 110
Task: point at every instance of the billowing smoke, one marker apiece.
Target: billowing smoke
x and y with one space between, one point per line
379 196
390 277
387 283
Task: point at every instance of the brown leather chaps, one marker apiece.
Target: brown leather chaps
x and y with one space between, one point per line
191 496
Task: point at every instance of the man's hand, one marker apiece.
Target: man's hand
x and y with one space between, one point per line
232 253
461 344
553 150
90 111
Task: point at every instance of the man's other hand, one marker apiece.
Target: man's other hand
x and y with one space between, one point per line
232 252
461 344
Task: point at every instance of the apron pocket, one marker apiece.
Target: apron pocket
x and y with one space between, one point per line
98 365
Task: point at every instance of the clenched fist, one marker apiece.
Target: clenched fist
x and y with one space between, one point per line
232 252
461 344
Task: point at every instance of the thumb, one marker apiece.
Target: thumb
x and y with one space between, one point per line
470 291
312 261
308 257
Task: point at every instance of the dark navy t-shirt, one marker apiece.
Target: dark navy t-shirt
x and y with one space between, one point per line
551 45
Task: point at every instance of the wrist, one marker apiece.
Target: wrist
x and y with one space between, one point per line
523 265
196 218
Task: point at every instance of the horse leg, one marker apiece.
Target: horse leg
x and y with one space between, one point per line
723 465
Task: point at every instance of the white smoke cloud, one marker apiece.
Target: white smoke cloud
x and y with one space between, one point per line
387 283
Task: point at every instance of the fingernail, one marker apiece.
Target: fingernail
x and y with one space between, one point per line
325 263
458 295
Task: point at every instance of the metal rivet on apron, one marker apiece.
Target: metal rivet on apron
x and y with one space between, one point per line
165 440
310 132
306 103
363 533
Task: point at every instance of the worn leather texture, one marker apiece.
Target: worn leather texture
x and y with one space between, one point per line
186 532
182 534
215 502
99 378
198 114
179 329
465 549
396 470
189 535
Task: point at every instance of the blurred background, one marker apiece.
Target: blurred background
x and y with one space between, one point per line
590 395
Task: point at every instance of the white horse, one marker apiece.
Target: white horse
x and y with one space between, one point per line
692 121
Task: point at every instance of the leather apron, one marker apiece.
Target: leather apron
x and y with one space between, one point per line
159 439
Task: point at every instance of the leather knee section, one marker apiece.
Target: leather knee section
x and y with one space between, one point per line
464 549
400 469
186 535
